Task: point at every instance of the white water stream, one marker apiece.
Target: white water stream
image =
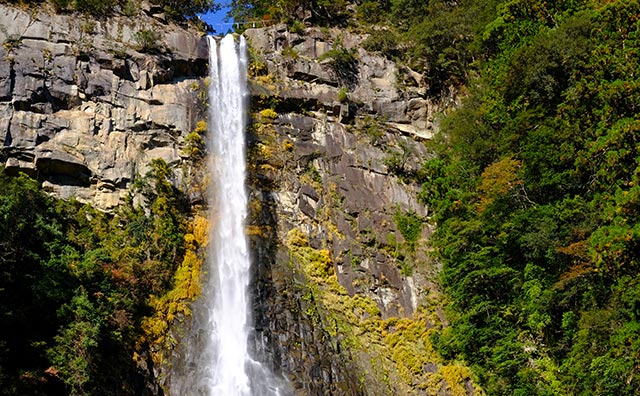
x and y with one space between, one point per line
228 249
217 361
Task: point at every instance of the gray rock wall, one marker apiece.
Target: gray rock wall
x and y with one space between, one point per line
340 170
84 110
351 146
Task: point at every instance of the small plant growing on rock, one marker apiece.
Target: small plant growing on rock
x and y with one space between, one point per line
194 142
396 160
268 114
290 53
12 43
46 54
296 26
406 267
130 8
410 226
147 40
384 41
343 62
343 95
88 26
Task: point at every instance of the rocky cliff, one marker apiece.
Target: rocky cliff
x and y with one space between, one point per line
345 289
86 104
345 297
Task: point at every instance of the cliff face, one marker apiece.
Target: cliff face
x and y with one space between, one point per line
345 291
86 104
346 175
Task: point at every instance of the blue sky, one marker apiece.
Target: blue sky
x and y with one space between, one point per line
217 20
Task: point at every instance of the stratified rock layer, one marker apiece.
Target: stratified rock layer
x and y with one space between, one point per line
84 110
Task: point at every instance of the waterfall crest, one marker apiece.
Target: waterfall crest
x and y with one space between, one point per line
217 361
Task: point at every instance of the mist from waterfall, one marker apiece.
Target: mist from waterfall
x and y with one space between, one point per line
217 361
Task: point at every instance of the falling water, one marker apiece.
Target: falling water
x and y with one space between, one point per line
217 360
228 248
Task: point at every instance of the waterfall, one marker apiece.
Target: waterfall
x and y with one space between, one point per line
228 244
217 361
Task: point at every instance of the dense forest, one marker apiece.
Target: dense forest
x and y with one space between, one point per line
533 186
75 284
534 180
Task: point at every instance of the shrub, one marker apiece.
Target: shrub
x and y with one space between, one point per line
93 7
147 40
187 8
289 53
343 95
296 26
410 226
370 11
384 41
343 62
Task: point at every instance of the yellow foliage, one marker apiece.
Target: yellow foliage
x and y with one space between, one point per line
455 375
201 230
201 127
255 206
296 238
186 287
255 230
498 179
265 150
266 168
400 347
268 114
287 145
189 241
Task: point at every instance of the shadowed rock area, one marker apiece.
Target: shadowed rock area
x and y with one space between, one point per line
345 295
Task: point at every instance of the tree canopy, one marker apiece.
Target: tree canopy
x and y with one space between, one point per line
75 285
535 193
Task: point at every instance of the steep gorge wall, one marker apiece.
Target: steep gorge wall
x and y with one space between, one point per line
345 290
86 104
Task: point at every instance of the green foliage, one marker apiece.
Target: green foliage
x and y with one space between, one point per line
101 8
194 143
535 193
318 12
147 40
289 53
92 7
343 95
385 41
410 227
396 160
343 62
372 11
296 26
442 38
75 282
372 128
76 346
188 8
